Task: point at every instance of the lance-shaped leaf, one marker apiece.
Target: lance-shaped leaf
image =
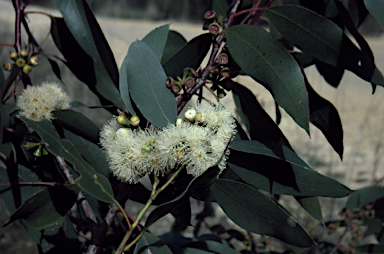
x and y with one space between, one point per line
220 7
325 117
253 211
123 87
262 57
364 196
308 31
312 206
156 40
376 8
146 81
85 29
191 55
209 246
95 184
77 123
175 42
46 206
149 243
276 168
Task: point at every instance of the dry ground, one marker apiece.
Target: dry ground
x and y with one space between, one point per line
362 113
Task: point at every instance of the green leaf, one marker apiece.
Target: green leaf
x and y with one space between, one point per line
275 168
262 57
46 206
149 243
209 246
312 206
156 40
220 7
123 87
308 31
376 8
325 117
95 184
191 55
146 80
175 41
364 196
253 211
8 82
84 28
2 78
78 124
91 152
375 248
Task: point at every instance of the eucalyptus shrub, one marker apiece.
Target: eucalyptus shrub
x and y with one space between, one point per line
64 178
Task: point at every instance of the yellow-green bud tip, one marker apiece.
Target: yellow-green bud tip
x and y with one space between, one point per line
27 69
123 120
20 62
135 120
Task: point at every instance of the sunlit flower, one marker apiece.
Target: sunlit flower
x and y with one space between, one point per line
38 102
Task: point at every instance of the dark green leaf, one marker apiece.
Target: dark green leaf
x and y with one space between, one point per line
253 211
146 80
332 74
220 7
149 243
375 248
55 68
78 124
191 55
209 246
275 168
364 196
156 40
91 152
261 125
376 8
46 206
123 87
95 184
2 78
8 82
325 117
175 41
262 57
320 37
312 206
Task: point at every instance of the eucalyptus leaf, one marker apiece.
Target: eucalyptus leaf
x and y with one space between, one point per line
156 40
364 196
253 211
146 80
95 184
149 243
262 57
175 42
123 87
312 206
220 7
376 8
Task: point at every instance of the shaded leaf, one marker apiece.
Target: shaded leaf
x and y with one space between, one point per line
312 206
8 82
332 74
257 213
364 196
277 169
191 55
156 40
220 7
78 124
261 125
146 80
95 184
55 68
374 248
149 243
325 117
123 87
262 57
175 42
46 206
208 246
2 78
320 37
376 8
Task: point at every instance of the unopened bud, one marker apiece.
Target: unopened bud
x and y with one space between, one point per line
214 28
45 152
146 148
225 72
189 82
13 55
200 117
209 14
27 69
20 62
123 120
7 66
33 61
176 87
38 151
23 53
169 82
30 145
222 58
190 115
135 120
179 121
220 93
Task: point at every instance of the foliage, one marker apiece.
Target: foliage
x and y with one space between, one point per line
51 164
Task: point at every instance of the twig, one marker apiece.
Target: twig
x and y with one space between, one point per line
7 44
18 26
38 12
338 244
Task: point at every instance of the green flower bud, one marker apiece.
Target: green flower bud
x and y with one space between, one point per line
20 62
135 120
7 66
33 61
179 121
45 152
13 55
190 115
38 151
123 120
145 150
30 145
27 69
23 53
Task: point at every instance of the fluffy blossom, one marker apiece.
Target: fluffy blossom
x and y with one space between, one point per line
133 153
38 102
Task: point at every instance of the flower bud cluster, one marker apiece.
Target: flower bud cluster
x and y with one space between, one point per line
214 23
38 102
22 61
133 152
184 83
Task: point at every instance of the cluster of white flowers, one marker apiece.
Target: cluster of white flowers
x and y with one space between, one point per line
38 102
197 145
